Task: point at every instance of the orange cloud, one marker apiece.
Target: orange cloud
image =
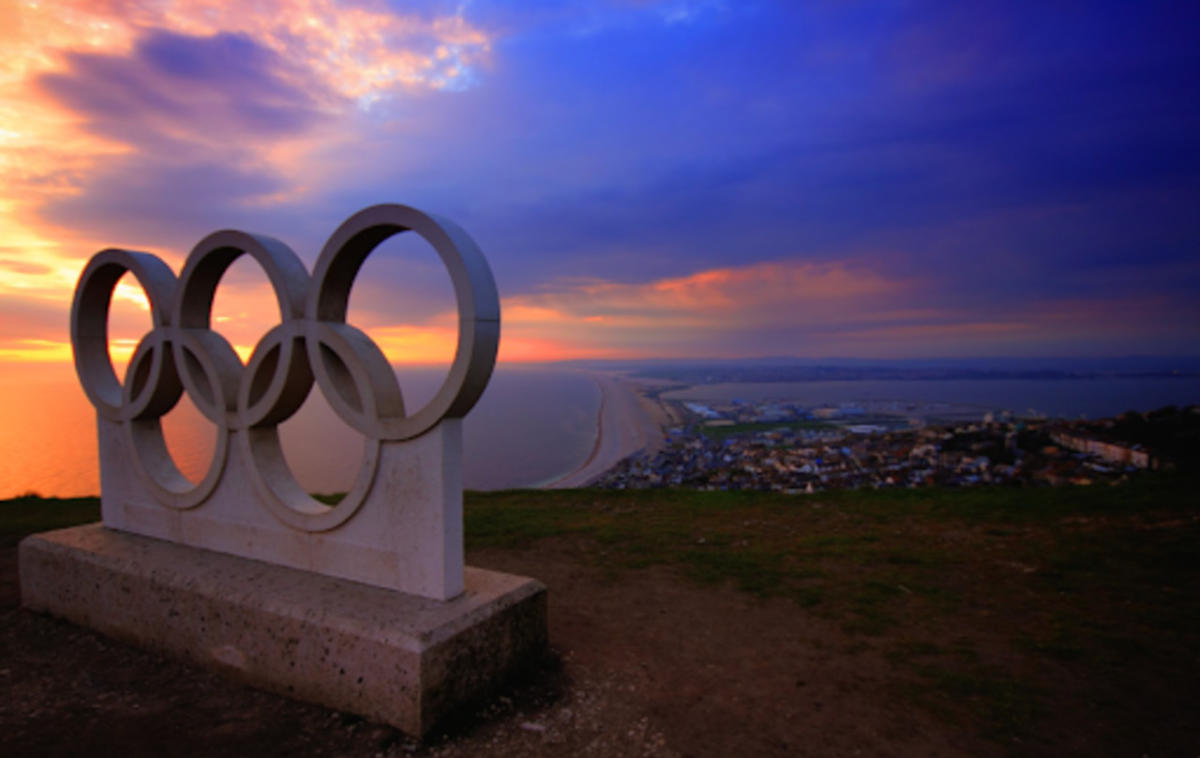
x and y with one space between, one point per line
731 290
344 54
358 49
774 308
800 308
687 315
36 350
415 343
33 350
715 298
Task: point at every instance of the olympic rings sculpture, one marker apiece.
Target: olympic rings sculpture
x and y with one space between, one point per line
312 342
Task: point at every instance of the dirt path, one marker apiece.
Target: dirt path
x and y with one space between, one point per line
658 666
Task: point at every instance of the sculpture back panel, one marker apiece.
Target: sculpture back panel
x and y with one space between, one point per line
400 525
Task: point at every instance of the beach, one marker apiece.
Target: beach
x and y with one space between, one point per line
628 422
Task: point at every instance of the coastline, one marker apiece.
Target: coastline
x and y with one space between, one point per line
627 422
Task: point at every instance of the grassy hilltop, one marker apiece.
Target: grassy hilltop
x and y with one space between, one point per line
1037 620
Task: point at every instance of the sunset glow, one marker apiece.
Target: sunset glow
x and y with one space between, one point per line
661 179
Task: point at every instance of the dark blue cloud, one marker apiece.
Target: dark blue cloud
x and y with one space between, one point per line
198 111
221 57
175 92
138 201
1019 153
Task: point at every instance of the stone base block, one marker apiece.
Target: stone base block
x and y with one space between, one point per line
390 657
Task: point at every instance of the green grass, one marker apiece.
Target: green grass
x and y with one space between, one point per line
773 544
874 550
720 433
1006 706
981 599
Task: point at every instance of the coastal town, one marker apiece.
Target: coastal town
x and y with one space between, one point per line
786 447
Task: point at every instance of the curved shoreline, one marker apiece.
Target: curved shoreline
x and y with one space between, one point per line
596 443
623 428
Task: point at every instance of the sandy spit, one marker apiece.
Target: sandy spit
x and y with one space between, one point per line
628 423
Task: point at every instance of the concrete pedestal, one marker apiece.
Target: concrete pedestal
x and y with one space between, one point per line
385 655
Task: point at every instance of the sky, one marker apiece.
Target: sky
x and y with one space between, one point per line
647 178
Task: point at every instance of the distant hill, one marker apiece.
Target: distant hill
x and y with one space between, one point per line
791 369
785 368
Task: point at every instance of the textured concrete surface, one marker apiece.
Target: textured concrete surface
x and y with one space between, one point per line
388 656
400 530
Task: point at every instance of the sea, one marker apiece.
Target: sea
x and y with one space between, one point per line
1068 398
532 425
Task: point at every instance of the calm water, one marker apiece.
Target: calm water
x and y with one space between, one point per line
1061 398
529 426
